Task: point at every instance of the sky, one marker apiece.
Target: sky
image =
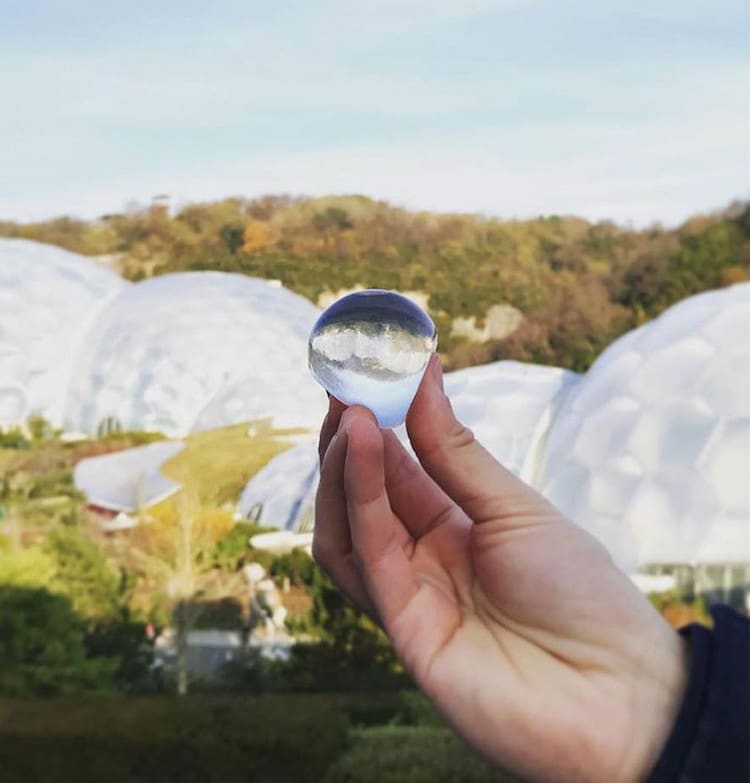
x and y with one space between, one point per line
635 111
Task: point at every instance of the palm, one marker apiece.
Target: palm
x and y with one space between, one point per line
513 620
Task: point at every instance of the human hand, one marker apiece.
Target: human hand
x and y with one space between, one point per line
513 620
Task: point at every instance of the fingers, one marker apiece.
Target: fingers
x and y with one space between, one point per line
379 540
330 425
416 499
332 546
457 462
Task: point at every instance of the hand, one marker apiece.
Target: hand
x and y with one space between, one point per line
513 620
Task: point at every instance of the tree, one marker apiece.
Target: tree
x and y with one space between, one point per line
42 650
174 553
233 236
258 236
15 490
81 573
350 650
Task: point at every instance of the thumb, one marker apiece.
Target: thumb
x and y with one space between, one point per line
465 470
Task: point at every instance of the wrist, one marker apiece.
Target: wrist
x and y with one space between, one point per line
661 690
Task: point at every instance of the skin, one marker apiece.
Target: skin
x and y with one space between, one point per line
535 648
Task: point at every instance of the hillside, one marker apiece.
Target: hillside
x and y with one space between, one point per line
568 287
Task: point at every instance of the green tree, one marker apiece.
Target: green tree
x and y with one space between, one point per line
96 591
351 652
42 650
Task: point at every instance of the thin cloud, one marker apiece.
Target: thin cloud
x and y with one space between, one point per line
510 108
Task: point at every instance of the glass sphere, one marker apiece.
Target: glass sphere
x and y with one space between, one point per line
371 348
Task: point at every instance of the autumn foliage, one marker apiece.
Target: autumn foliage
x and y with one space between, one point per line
578 284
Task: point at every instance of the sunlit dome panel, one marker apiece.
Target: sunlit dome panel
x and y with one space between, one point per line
509 406
48 300
281 494
170 346
651 451
296 402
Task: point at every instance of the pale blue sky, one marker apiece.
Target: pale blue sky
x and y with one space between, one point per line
635 110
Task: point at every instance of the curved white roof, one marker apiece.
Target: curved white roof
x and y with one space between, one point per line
651 451
510 406
293 399
281 493
130 479
48 300
169 350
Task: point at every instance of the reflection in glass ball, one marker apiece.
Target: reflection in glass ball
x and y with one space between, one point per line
371 348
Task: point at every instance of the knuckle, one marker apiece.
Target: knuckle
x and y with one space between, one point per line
459 436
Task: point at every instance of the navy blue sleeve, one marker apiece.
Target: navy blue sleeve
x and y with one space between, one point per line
710 742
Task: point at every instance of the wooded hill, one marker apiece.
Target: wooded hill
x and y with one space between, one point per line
577 284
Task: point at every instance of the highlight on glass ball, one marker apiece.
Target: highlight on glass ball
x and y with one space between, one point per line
371 348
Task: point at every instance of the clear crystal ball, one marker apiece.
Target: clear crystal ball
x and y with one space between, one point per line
371 348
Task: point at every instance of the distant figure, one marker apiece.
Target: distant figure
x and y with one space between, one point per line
265 601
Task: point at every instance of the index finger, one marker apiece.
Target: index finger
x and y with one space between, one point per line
330 425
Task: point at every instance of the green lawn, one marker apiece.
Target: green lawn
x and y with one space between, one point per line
218 463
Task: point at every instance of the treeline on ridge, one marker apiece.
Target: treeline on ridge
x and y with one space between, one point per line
577 284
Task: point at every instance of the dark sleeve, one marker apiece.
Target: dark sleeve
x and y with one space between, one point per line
710 742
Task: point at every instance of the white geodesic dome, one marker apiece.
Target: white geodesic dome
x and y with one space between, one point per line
300 402
651 451
48 300
509 406
168 350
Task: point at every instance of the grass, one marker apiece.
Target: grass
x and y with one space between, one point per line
410 754
218 463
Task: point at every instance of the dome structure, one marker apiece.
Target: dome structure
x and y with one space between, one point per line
651 451
509 406
48 300
281 494
128 480
297 403
181 349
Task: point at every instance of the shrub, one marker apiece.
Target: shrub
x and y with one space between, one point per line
81 573
399 754
279 739
41 647
417 710
297 566
234 549
14 439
